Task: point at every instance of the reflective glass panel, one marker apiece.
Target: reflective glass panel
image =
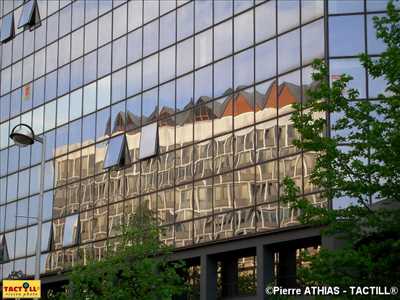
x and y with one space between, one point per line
148 141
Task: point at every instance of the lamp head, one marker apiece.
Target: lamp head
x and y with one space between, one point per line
22 135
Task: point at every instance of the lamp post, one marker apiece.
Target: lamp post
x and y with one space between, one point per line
23 136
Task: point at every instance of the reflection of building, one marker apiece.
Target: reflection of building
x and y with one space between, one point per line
217 78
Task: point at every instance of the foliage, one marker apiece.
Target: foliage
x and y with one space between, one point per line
137 268
358 161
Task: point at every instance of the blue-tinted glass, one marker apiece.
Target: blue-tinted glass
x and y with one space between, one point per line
115 150
167 99
375 45
36 153
51 86
24 157
185 56
184 92
133 112
12 183
76 73
70 230
88 129
13 163
103 92
150 36
77 44
350 67
265 16
89 98
345 6
27 14
135 45
118 117
243 33
105 29
223 77
90 67
289 51
50 144
150 71
34 186
312 41
75 135
134 79
288 15
63 80
346 35
150 10
49 177
4 107
7 28
78 14
15 103
47 205
118 85
203 84
23 184
222 10
167 29
244 68
240 5
65 20
62 110
185 21
50 115
203 14
266 60
104 56
120 21
90 37
38 92
149 105
3 195
22 212
75 104
3 165
148 141
119 53
91 9
223 39
61 140
103 123
167 64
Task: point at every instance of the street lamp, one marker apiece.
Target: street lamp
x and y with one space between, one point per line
23 136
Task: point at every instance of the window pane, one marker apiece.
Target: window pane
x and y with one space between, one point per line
203 15
243 35
115 152
135 14
149 106
150 71
350 67
104 92
150 43
185 21
7 28
348 6
134 79
185 55
167 64
312 41
70 231
150 10
346 35
375 45
90 36
27 15
265 21
203 84
119 21
167 29
105 29
311 9
167 98
134 45
184 92
76 104
222 10
89 98
203 48
118 85
148 141
223 39
289 51
223 71
266 60
244 68
288 15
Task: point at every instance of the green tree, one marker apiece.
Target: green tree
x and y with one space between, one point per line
361 163
136 268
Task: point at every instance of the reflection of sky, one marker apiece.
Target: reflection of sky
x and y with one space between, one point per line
203 83
265 21
313 41
346 35
351 67
222 76
244 68
288 15
184 91
203 48
149 102
266 60
223 39
167 64
243 33
185 56
167 95
289 51
222 10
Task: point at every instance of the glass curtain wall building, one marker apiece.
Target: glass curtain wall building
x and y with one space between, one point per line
181 107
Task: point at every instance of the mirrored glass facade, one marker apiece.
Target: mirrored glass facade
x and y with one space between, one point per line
215 78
